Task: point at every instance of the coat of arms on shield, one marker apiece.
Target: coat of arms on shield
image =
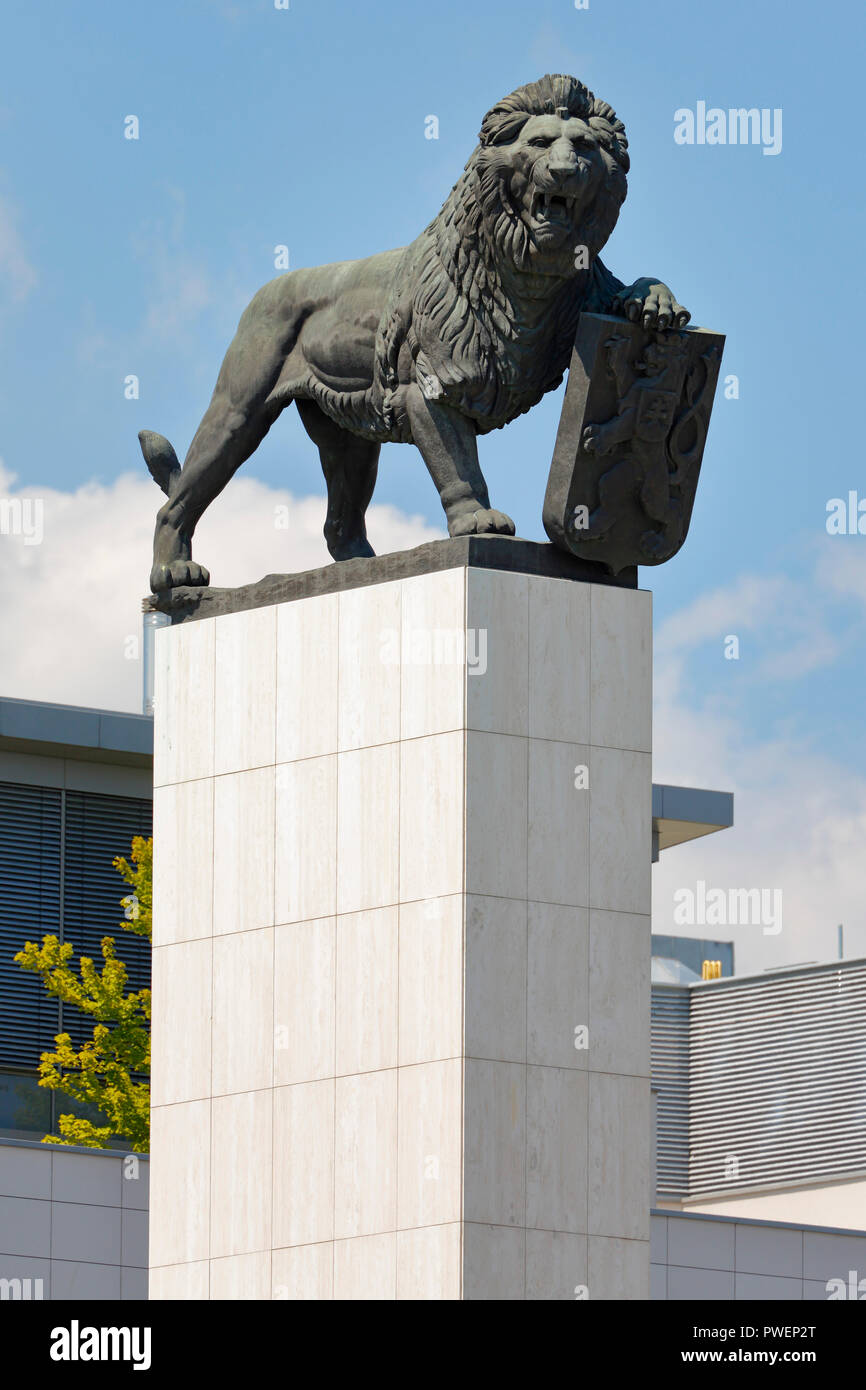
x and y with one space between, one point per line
630 442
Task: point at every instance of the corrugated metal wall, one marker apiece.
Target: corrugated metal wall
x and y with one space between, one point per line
778 1078
670 1076
761 1081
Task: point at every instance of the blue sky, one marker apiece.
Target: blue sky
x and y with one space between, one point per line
305 127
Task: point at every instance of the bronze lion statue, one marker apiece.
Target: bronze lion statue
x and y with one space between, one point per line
431 344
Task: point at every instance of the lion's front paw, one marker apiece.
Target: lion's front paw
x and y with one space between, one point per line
652 303
178 574
484 522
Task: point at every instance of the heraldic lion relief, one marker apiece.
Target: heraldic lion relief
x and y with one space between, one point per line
431 344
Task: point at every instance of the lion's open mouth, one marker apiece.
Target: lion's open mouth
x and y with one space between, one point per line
552 207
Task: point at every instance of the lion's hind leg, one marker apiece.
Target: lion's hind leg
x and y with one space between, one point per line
350 466
239 416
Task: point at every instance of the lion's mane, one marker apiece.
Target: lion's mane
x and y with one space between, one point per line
451 308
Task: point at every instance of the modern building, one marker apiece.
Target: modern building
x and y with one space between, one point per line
759 1082
760 1094
75 787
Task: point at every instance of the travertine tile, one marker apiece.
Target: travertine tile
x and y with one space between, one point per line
304 1273
494 1143
433 650
494 1263
369 706
495 975
556 1149
365 1181
183 1281
180 1167
367 990
556 1267
497 606
431 980
619 1156
620 834
181 1023
350 1179
619 1000
241 1277
429 1263
182 862
183 745
304 997
366 1268
368 823
303 1164
245 703
243 870
243 1011
431 819
241 1156
307 678
306 840
429 1154
621 668
558 843
559 660
619 1269
558 986
496 815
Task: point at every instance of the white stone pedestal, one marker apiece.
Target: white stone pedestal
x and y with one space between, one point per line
402 945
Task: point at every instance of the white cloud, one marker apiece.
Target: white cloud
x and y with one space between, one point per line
780 621
72 605
800 812
842 566
72 609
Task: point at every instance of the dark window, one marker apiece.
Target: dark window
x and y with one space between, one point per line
56 875
25 1107
30 856
96 829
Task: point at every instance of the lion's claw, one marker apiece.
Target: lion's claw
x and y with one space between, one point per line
486 521
653 303
178 574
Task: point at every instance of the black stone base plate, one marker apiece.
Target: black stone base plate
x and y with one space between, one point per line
481 552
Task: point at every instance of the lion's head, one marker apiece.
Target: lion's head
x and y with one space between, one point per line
550 174
536 202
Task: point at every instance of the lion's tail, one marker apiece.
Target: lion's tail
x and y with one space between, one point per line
160 459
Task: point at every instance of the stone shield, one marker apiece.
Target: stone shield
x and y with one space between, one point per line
630 442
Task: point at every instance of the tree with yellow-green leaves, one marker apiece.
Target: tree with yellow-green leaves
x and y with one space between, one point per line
109 1070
